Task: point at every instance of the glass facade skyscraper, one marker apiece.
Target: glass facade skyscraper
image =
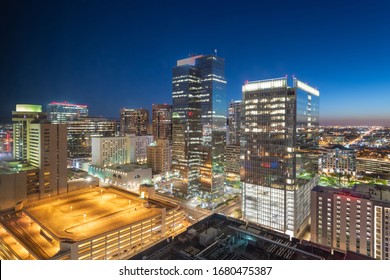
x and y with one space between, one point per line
279 134
61 112
199 123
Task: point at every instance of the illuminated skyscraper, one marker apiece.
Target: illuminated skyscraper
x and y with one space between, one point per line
60 112
280 132
134 121
162 121
199 122
21 118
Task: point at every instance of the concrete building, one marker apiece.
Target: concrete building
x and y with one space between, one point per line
61 112
12 188
47 151
162 121
128 176
373 167
354 219
79 163
218 237
21 118
78 228
280 119
338 159
107 151
119 150
159 156
139 148
134 121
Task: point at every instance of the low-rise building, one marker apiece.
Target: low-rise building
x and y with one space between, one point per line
373 167
92 224
128 176
338 159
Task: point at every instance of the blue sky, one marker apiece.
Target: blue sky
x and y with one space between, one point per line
113 54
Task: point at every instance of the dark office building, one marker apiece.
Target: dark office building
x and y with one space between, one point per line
199 123
134 121
233 129
162 121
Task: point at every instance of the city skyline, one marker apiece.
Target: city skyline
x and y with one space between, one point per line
125 51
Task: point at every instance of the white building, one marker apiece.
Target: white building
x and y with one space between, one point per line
128 176
139 147
107 151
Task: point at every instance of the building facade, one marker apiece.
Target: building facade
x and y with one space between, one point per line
159 156
233 129
61 112
280 129
232 162
377 168
162 121
338 159
134 121
199 123
47 151
139 148
107 151
21 118
354 219
81 132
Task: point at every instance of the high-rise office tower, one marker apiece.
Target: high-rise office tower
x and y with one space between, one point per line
233 129
280 132
60 112
199 122
162 121
21 118
134 121
47 150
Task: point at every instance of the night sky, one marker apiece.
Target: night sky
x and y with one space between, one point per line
113 54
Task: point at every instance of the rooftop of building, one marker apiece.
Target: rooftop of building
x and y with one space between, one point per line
127 168
220 238
16 166
76 216
340 147
364 191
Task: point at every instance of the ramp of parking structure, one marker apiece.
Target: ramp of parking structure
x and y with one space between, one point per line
17 232
6 252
